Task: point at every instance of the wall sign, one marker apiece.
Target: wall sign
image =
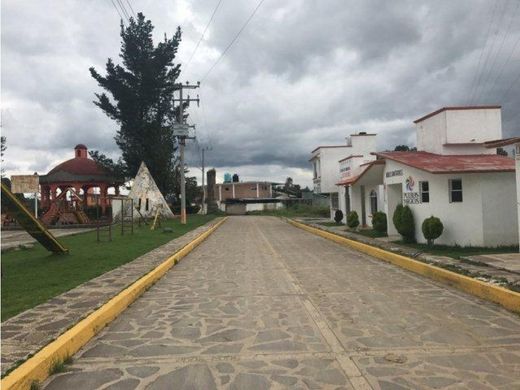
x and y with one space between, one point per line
25 184
397 172
411 198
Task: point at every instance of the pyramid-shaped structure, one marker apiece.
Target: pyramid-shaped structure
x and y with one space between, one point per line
147 196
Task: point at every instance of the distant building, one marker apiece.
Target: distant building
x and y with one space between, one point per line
331 164
242 197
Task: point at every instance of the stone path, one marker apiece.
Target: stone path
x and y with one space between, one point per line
261 304
29 331
501 269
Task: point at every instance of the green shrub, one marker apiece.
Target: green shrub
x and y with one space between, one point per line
379 221
432 229
338 216
396 218
404 223
352 220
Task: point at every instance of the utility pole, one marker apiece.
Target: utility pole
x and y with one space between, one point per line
181 131
204 211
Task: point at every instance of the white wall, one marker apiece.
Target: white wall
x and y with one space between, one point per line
477 125
431 133
499 206
459 127
463 222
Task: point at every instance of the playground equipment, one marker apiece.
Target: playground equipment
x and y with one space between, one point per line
66 212
157 218
35 228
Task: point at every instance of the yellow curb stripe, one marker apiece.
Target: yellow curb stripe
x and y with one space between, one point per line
37 367
504 297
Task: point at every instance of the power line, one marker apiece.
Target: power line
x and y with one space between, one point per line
506 33
118 12
204 32
131 8
491 50
123 9
233 40
473 82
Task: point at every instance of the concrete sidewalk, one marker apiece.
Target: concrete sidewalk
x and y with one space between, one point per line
262 304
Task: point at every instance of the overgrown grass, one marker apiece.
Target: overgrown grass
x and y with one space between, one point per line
457 252
32 276
298 210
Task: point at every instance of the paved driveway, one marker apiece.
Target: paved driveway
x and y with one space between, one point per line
262 304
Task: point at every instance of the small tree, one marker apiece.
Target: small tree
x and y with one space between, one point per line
396 218
404 223
379 222
352 220
338 216
432 229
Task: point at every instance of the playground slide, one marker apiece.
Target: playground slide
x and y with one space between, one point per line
31 225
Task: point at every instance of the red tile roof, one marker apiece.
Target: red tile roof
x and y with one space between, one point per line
455 109
436 163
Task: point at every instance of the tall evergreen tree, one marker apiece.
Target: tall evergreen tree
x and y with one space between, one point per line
141 100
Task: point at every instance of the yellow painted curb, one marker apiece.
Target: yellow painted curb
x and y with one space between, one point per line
504 297
37 367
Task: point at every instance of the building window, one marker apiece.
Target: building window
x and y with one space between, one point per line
424 187
334 199
139 205
147 204
226 188
373 202
455 190
253 188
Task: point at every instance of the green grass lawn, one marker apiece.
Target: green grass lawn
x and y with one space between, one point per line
32 276
457 252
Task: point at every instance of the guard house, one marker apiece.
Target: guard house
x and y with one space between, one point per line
331 164
456 177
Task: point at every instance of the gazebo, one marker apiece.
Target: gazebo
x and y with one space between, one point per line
77 177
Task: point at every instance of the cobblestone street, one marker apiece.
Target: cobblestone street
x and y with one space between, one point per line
261 304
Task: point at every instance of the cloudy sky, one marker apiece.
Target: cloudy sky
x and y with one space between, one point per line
303 73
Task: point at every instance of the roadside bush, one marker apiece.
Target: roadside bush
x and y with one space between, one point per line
404 223
432 229
379 222
338 216
352 220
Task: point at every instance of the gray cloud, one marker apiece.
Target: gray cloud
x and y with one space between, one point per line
302 74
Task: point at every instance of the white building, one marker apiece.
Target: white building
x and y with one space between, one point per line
326 164
512 141
455 177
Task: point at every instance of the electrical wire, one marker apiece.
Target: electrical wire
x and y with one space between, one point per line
131 8
506 34
118 12
491 49
203 33
473 82
233 40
